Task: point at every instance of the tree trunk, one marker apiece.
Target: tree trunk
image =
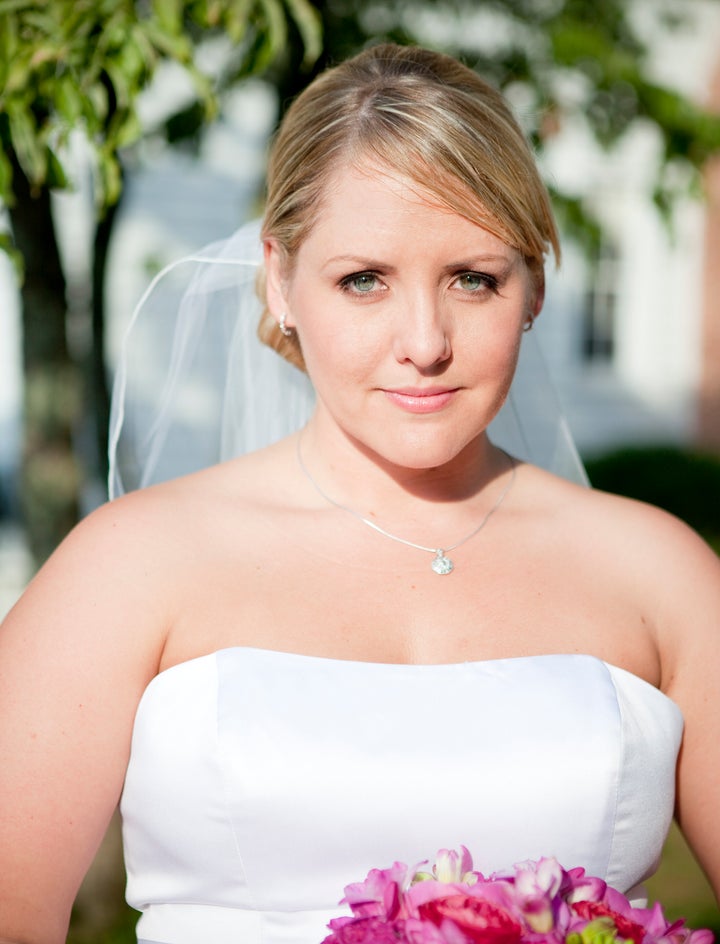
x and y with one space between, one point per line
98 393
50 478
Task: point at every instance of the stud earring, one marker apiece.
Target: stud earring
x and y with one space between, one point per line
283 327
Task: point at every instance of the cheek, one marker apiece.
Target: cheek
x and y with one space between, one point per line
496 371
339 356
494 346
334 342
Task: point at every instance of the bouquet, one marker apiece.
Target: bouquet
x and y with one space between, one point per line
535 903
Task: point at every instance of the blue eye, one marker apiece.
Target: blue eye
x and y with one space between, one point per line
475 281
361 283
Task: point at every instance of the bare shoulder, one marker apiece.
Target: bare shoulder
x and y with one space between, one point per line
137 550
661 545
604 517
118 553
633 547
107 597
147 533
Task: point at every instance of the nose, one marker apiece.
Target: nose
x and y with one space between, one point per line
422 332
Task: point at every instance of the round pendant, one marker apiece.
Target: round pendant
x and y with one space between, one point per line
441 564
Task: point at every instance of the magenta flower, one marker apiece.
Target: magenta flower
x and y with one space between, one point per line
451 866
380 895
424 932
577 886
627 928
366 931
537 885
479 921
535 903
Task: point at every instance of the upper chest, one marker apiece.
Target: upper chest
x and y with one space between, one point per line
334 587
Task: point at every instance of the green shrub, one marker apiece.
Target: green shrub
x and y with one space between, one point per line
685 482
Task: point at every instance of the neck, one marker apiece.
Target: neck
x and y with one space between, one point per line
351 474
442 563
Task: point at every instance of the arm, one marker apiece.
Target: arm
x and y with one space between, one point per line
75 656
688 589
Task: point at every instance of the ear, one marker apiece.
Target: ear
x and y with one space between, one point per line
538 295
275 260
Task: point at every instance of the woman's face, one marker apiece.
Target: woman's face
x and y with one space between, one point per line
409 317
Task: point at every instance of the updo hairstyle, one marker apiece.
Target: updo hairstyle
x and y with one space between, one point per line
425 116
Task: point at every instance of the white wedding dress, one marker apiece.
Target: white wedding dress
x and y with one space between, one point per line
261 783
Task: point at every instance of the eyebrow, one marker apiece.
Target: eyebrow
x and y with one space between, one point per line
365 262
362 261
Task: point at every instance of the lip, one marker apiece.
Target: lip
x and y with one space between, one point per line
421 400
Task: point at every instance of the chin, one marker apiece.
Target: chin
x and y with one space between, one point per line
426 452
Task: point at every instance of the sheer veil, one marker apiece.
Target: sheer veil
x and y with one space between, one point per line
194 384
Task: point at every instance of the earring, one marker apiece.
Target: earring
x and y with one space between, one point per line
283 327
529 322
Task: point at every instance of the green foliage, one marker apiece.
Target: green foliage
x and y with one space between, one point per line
119 928
682 481
70 63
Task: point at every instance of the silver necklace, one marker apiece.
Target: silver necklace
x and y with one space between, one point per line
441 563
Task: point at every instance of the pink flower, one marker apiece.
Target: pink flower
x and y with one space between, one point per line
627 928
537 885
480 921
380 895
451 866
577 886
366 931
699 936
424 932
535 903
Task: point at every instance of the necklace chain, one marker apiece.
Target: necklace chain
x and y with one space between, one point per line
441 563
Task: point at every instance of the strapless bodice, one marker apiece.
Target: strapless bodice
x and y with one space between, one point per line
261 783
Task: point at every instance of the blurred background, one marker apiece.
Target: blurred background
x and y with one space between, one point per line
133 132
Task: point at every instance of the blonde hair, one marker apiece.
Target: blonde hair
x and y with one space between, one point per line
429 118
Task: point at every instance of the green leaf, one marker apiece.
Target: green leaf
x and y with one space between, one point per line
132 63
56 176
7 246
205 92
120 83
44 23
18 78
12 6
177 47
108 179
68 100
145 48
236 21
270 36
43 55
25 137
95 105
169 14
6 177
128 131
307 19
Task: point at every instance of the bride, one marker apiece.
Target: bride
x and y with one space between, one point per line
382 634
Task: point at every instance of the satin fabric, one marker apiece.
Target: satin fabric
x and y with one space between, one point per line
261 783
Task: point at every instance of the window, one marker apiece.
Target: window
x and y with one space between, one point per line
598 329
